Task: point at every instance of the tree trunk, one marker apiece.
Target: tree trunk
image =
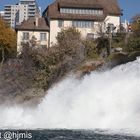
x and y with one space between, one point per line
3 56
110 43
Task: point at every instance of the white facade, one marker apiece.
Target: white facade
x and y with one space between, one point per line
40 40
115 20
54 27
87 19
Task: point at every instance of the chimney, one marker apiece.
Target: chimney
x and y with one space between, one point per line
36 21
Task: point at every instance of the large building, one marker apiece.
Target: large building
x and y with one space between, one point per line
86 15
2 14
32 7
15 14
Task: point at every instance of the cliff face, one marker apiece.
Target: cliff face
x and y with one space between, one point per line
16 85
88 67
19 90
12 93
104 64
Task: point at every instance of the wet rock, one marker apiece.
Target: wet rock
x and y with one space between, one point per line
88 67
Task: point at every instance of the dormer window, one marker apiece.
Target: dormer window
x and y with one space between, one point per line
81 11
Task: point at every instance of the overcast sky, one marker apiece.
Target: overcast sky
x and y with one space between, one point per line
130 7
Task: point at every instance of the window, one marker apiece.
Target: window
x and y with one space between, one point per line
81 11
90 36
43 36
100 12
25 36
60 23
43 46
83 24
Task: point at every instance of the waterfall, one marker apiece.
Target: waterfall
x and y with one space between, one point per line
102 100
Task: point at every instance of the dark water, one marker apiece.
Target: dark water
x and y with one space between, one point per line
62 135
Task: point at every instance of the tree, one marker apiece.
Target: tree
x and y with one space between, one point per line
136 18
70 43
101 29
136 25
103 46
134 38
104 40
68 38
7 41
46 66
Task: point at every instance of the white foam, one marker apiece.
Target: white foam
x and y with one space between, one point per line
101 100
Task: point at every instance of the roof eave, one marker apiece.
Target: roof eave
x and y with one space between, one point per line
21 29
86 19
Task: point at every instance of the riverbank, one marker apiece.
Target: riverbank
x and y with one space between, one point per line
10 92
107 63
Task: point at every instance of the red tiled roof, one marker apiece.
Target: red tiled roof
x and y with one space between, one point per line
30 25
110 7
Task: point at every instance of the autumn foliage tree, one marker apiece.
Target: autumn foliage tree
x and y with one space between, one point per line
134 38
7 41
136 25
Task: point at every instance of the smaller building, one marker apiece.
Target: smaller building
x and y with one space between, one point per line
35 29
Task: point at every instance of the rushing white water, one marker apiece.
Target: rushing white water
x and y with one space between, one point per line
101 100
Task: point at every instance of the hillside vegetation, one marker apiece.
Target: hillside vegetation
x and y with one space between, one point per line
27 76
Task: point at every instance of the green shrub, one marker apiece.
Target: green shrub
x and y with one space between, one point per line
103 47
133 44
68 41
50 65
90 49
119 37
